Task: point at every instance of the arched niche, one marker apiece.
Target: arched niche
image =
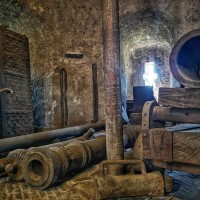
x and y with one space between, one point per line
157 54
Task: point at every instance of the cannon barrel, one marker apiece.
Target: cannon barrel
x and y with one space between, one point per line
129 185
178 115
12 164
185 59
82 150
43 167
132 183
37 139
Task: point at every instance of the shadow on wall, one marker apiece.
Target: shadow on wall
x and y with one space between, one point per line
38 103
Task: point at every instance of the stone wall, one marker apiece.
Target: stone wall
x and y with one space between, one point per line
58 27
153 53
55 28
147 23
189 15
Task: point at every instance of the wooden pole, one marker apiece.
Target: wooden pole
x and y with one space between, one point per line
114 142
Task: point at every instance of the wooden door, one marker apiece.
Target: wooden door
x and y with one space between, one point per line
16 108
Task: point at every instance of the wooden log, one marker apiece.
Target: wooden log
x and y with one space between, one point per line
179 115
179 97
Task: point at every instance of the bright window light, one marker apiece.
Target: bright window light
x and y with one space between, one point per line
149 75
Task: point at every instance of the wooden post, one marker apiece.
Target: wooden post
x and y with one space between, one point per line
114 142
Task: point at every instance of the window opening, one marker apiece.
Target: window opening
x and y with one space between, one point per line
149 75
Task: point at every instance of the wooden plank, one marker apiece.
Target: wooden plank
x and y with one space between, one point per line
179 97
161 144
186 147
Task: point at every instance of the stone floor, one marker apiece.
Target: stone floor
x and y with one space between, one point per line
81 187
186 186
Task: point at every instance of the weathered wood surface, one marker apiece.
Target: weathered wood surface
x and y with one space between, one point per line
177 115
160 145
179 97
186 147
177 146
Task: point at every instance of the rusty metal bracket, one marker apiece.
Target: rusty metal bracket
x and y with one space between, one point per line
148 123
147 120
139 163
7 90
